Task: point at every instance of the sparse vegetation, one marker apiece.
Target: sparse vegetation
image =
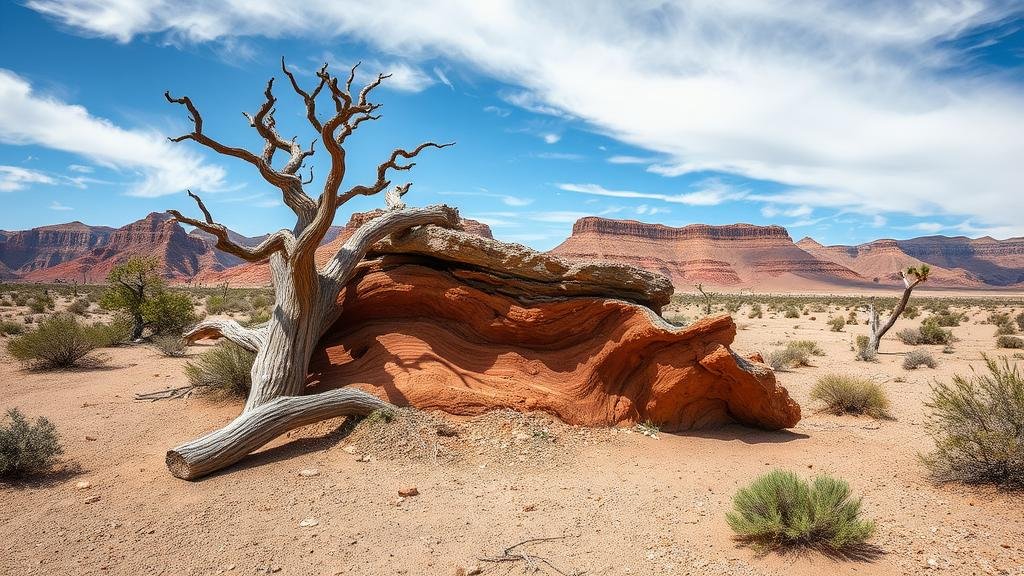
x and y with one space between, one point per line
791 312
168 312
26 448
60 341
1013 342
79 307
755 311
779 509
977 423
9 328
864 350
848 395
836 324
170 345
224 368
917 358
909 336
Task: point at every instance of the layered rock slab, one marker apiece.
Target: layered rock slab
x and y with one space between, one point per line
440 333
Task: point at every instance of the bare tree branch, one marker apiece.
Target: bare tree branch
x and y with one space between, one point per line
391 164
249 338
280 241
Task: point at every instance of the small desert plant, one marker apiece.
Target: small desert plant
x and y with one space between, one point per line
677 320
79 307
9 328
1019 318
783 359
917 358
978 426
851 318
909 336
837 323
1006 328
791 312
37 306
170 345
262 316
848 395
1009 342
864 350
755 311
649 429
945 318
932 333
779 509
168 312
809 346
225 368
113 333
27 448
59 342
911 312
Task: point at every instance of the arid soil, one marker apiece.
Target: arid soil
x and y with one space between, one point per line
619 501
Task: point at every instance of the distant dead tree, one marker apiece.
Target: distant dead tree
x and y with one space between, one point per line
911 278
305 295
707 297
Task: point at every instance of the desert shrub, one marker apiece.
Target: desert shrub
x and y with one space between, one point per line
909 336
1019 318
917 358
170 345
785 358
848 395
933 333
19 298
79 307
1006 328
262 315
113 333
261 300
977 423
836 324
791 312
755 311
851 318
27 448
1009 342
168 312
9 328
219 303
911 312
60 341
863 349
779 509
733 307
224 368
809 346
37 306
945 318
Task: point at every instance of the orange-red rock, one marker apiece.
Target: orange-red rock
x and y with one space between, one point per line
414 333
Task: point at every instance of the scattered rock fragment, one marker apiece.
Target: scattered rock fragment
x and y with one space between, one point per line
309 472
309 522
92 499
82 485
408 491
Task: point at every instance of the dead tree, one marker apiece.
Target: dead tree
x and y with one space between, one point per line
304 295
919 274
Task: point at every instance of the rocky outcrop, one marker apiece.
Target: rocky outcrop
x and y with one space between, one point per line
28 250
180 256
258 273
994 262
458 333
737 255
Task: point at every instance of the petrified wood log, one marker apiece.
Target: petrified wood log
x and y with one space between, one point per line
437 332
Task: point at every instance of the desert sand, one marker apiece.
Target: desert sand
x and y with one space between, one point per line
619 501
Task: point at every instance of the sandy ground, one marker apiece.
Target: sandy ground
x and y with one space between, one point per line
625 503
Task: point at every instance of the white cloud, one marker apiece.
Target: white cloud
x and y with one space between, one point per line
558 156
645 210
771 211
15 178
163 168
59 207
81 169
878 221
443 77
624 159
497 111
551 137
711 193
851 103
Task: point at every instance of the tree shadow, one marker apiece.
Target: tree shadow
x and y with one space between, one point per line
863 552
744 434
64 472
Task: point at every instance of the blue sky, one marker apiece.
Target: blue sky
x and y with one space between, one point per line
846 122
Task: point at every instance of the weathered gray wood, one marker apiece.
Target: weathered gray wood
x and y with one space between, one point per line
257 426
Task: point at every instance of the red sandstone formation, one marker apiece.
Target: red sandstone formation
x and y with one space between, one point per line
459 330
737 255
181 256
28 250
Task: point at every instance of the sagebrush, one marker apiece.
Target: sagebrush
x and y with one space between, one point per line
27 448
842 394
224 368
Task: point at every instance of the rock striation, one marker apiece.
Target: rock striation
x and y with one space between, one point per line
442 320
47 246
736 255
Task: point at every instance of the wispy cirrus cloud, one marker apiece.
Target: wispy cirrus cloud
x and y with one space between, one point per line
506 199
28 117
708 193
17 178
865 106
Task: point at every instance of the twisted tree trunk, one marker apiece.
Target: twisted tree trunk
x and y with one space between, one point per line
877 331
305 302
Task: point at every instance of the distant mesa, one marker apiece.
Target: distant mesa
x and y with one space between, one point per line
734 256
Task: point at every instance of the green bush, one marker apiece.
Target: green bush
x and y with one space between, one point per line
755 311
79 307
911 312
27 449
864 351
37 306
1014 342
262 315
1019 318
909 336
791 312
945 318
114 333
932 333
848 395
977 423
168 312
9 328
224 368
917 358
169 345
779 509
783 359
59 342
809 346
837 323
1006 328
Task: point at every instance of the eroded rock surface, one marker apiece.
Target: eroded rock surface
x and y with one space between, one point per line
456 332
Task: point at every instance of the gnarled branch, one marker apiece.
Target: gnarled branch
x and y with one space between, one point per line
213 328
391 164
280 241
